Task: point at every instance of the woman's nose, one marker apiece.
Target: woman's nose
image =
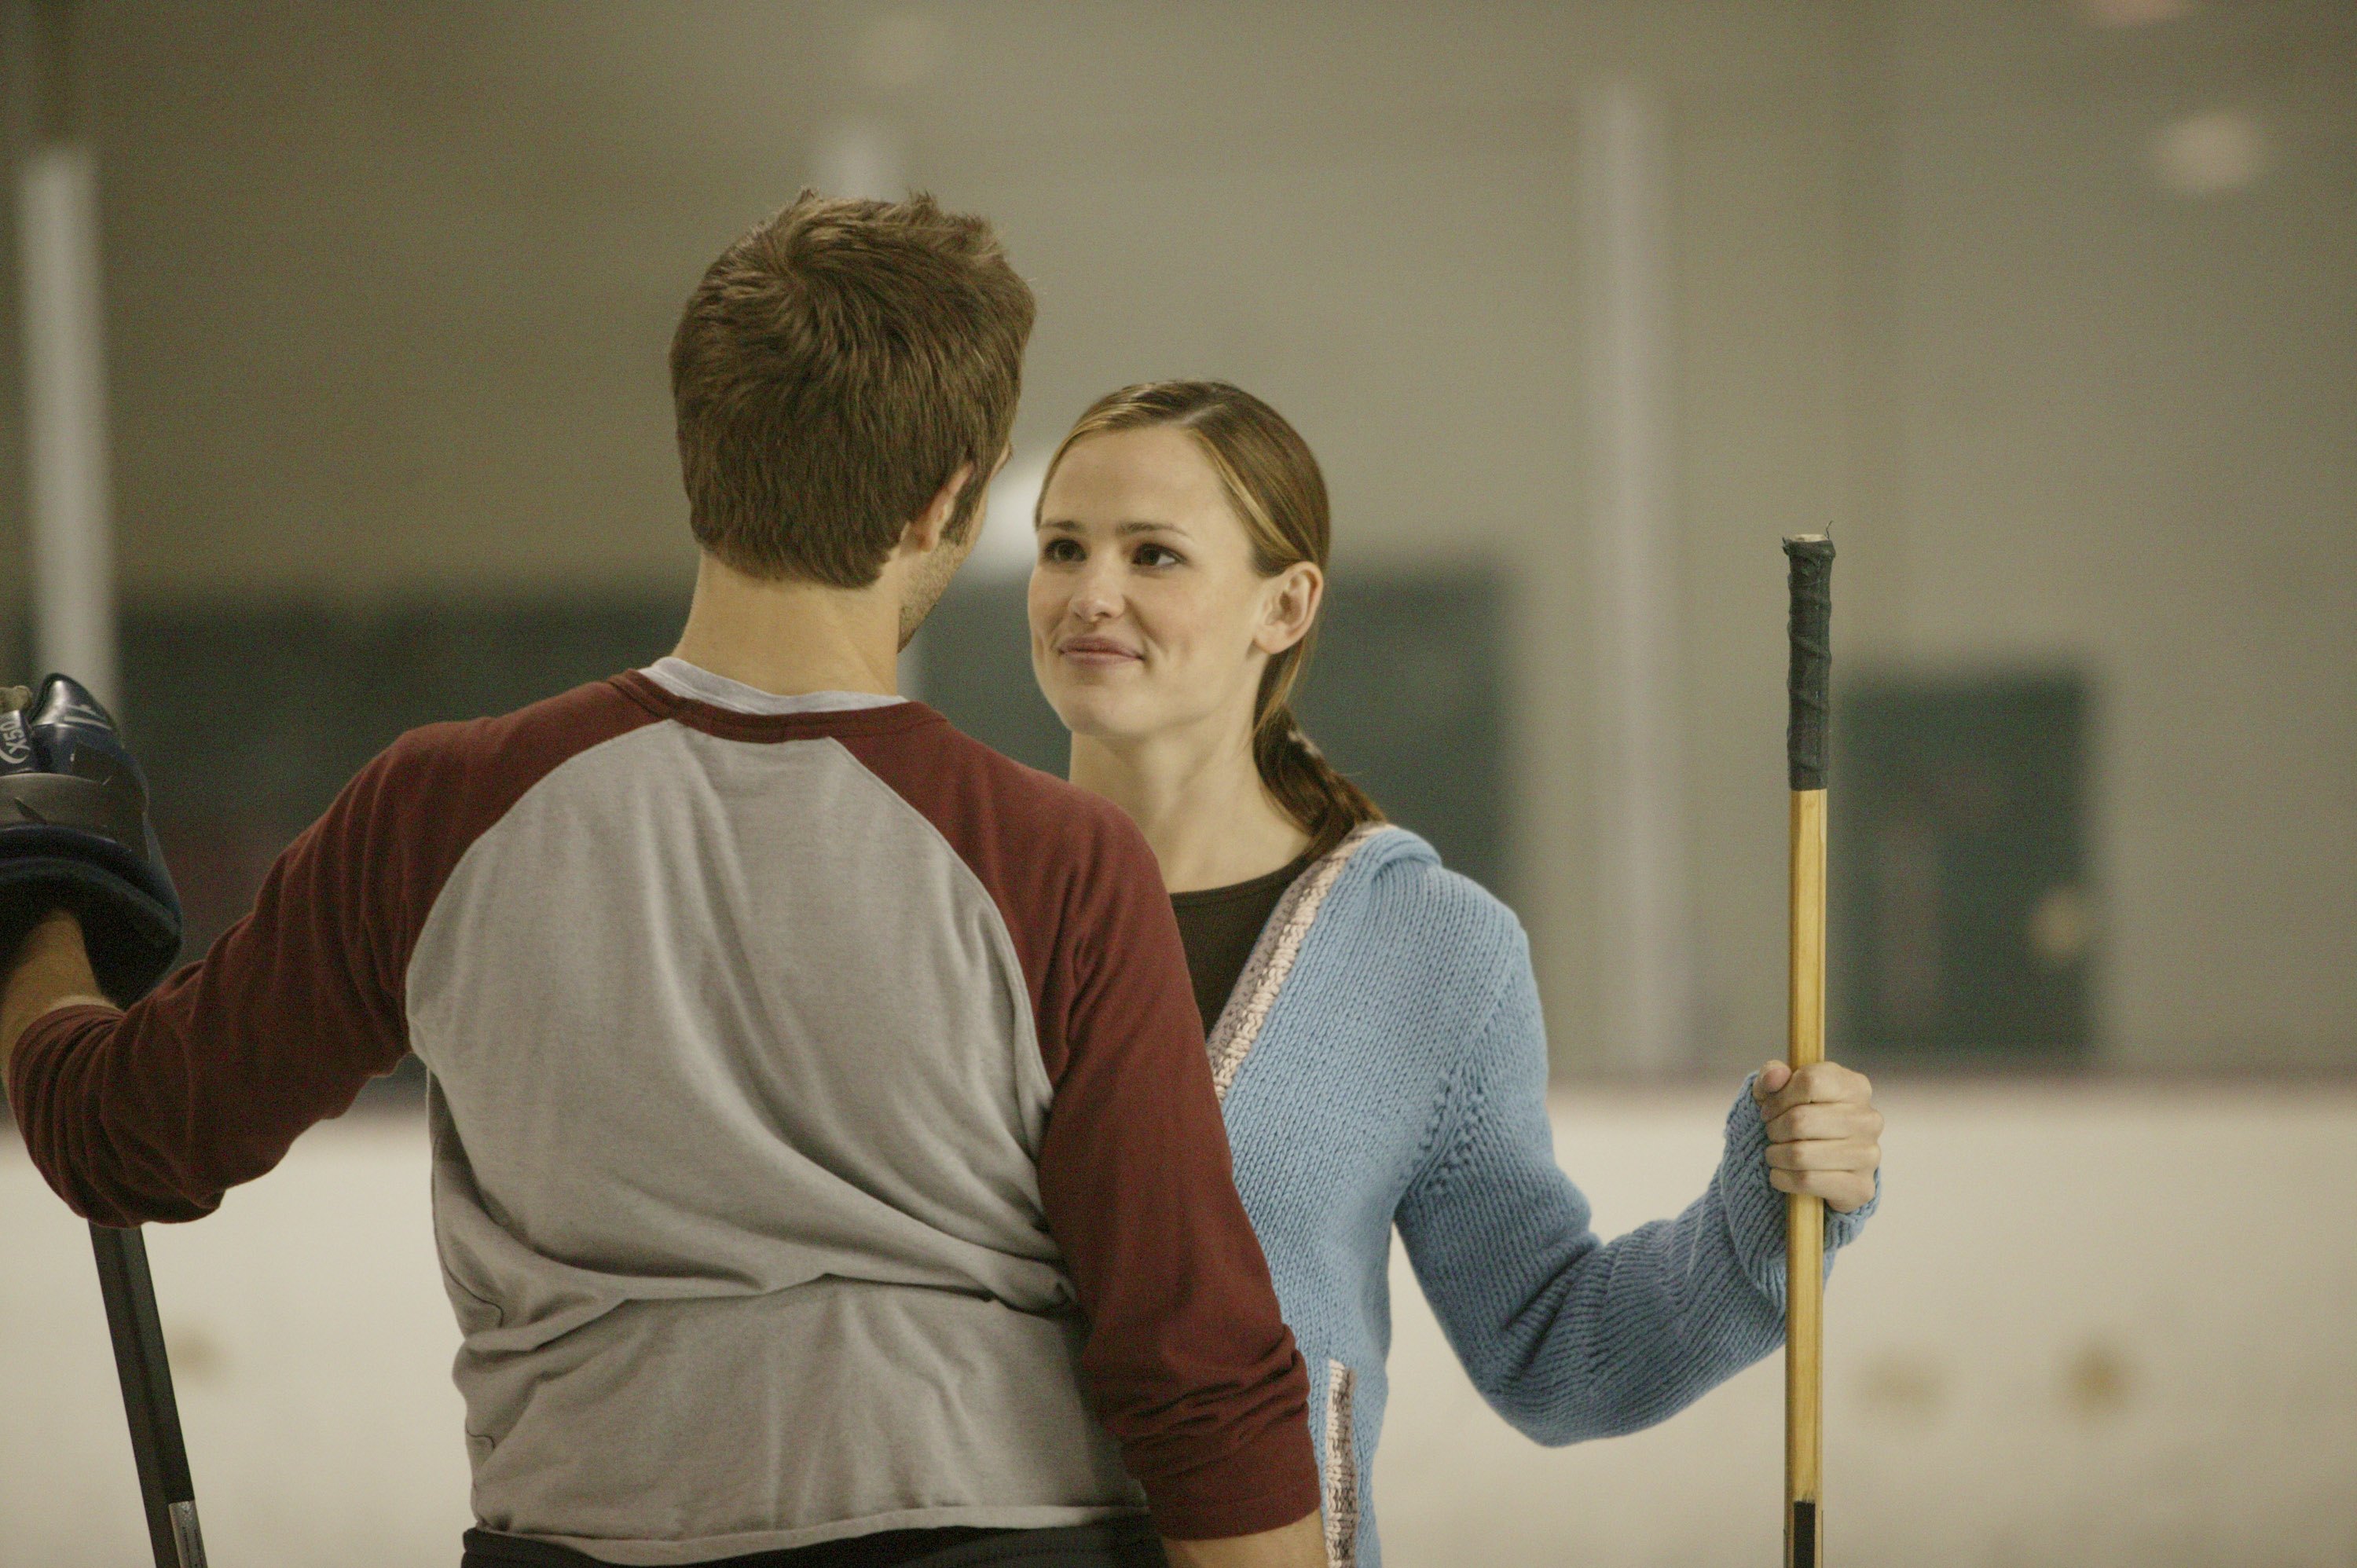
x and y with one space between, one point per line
1094 598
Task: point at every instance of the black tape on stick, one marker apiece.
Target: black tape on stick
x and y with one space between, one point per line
1812 556
1803 1529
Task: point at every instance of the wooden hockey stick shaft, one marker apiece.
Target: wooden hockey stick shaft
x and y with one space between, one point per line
1804 1222
1805 1217
156 1448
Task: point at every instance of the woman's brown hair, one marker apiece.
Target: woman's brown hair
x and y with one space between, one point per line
1274 483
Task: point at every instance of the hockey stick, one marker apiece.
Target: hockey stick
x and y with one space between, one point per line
155 1444
1811 630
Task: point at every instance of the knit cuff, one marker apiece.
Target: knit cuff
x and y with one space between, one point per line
1755 1209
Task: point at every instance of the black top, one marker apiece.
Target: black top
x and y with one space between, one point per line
1220 925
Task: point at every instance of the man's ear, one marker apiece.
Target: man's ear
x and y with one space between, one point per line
1289 607
924 532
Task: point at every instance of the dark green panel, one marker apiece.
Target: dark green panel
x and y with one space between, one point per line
265 712
1963 918
973 663
1407 695
1404 695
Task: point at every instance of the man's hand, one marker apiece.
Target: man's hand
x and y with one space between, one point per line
74 835
1301 1544
1823 1133
51 969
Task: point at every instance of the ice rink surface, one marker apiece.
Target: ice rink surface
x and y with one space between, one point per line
2095 1324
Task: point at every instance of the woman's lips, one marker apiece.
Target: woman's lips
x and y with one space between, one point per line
1097 653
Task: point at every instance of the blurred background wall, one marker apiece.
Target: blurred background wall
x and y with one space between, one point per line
2048 308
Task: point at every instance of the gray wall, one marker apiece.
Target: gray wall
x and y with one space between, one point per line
389 292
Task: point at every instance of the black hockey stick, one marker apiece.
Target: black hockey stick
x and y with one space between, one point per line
155 1444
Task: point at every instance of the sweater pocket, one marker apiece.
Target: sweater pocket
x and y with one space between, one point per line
1341 1482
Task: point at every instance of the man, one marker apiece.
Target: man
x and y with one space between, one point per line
826 1169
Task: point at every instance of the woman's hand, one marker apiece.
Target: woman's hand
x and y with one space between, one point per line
1823 1133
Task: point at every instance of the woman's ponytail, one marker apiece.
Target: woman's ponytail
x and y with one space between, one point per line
1313 793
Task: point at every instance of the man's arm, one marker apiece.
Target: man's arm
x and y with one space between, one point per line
50 970
154 1113
151 1114
1190 1364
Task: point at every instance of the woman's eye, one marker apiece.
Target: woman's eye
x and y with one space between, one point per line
1062 551
1156 555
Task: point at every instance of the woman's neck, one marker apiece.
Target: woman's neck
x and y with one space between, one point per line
1200 801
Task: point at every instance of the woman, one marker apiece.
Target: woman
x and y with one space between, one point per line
1372 1023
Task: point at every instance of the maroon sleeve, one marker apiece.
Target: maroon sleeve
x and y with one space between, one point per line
152 1114
1192 1365
1189 1362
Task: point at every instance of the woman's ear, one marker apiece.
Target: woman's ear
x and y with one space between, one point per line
1289 604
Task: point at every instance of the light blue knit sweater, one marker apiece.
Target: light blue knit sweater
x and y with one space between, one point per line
1382 1062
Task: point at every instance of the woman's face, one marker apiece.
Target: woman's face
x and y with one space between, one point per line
1146 614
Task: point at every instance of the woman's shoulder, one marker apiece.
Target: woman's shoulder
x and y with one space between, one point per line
1401 966
1403 979
1401 893
1406 873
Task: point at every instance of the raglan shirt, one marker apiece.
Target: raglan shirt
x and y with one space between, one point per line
824 1143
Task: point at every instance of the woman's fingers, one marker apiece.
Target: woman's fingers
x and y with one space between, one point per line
1818 1083
1843 1191
1842 1121
1825 1155
1823 1133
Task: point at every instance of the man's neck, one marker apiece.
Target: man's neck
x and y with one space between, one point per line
793 638
1200 800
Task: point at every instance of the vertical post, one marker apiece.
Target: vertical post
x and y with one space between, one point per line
861 156
1649 965
1811 558
65 416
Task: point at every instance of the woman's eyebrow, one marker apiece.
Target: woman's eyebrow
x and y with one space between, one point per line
1122 529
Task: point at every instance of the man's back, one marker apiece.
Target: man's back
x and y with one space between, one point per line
814 1098
819 1105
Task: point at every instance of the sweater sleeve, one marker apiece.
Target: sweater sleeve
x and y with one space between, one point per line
1567 1336
1189 1362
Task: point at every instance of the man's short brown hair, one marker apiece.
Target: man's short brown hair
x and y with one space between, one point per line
833 370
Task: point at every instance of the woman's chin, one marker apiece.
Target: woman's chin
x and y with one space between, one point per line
1092 713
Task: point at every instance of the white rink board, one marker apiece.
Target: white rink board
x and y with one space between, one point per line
310 1345
2095 1325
